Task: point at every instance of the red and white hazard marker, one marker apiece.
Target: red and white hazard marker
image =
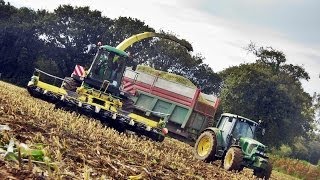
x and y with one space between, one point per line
79 71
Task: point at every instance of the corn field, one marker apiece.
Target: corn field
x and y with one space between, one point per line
297 168
79 147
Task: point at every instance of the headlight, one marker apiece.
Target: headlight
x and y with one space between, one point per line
33 81
261 153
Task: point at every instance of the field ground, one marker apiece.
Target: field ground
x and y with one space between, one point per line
82 148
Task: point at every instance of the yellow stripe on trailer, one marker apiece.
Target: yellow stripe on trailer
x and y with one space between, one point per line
143 120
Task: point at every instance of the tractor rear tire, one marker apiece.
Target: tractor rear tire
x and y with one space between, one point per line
70 84
206 146
233 159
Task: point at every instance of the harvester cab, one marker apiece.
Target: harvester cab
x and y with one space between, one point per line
234 141
106 70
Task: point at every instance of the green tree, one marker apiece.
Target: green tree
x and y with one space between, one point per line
68 32
316 101
276 60
269 91
63 38
18 44
206 79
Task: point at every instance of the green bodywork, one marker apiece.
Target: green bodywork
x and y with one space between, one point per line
220 143
115 50
254 152
170 111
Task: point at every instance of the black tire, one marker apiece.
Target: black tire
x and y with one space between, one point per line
119 128
33 93
233 159
265 173
128 105
206 146
70 84
268 171
157 137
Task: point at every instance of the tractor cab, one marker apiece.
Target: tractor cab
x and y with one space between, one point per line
234 127
107 69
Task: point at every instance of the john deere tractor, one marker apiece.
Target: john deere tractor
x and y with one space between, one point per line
97 92
233 141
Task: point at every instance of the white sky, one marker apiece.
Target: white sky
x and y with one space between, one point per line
219 30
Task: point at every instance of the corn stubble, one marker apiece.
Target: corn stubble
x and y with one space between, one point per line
82 148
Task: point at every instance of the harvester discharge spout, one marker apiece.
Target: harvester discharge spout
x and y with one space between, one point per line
138 37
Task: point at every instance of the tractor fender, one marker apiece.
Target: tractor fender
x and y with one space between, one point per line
236 145
218 134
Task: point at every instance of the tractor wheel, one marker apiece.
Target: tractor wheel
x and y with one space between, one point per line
233 159
266 173
205 147
128 105
70 84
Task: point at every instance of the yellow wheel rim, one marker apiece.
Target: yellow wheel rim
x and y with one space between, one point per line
228 159
204 146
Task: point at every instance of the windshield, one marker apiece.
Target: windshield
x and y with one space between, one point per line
244 128
106 67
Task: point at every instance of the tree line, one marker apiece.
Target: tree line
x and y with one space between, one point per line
268 89
56 41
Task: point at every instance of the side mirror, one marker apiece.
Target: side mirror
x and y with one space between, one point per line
134 67
229 136
235 141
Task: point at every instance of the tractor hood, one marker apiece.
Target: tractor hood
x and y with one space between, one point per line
254 153
251 141
251 146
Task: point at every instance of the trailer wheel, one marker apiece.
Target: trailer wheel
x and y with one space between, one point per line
157 137
70 84
128 105
205 147
233 159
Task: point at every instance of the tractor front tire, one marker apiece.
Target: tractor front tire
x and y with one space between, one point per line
264 174
205 147
70 84
233 159
268 171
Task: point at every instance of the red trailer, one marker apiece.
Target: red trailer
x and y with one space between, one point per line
185 108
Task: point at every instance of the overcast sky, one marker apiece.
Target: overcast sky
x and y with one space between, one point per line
220 29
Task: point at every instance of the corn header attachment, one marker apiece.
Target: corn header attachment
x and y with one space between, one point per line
96 104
